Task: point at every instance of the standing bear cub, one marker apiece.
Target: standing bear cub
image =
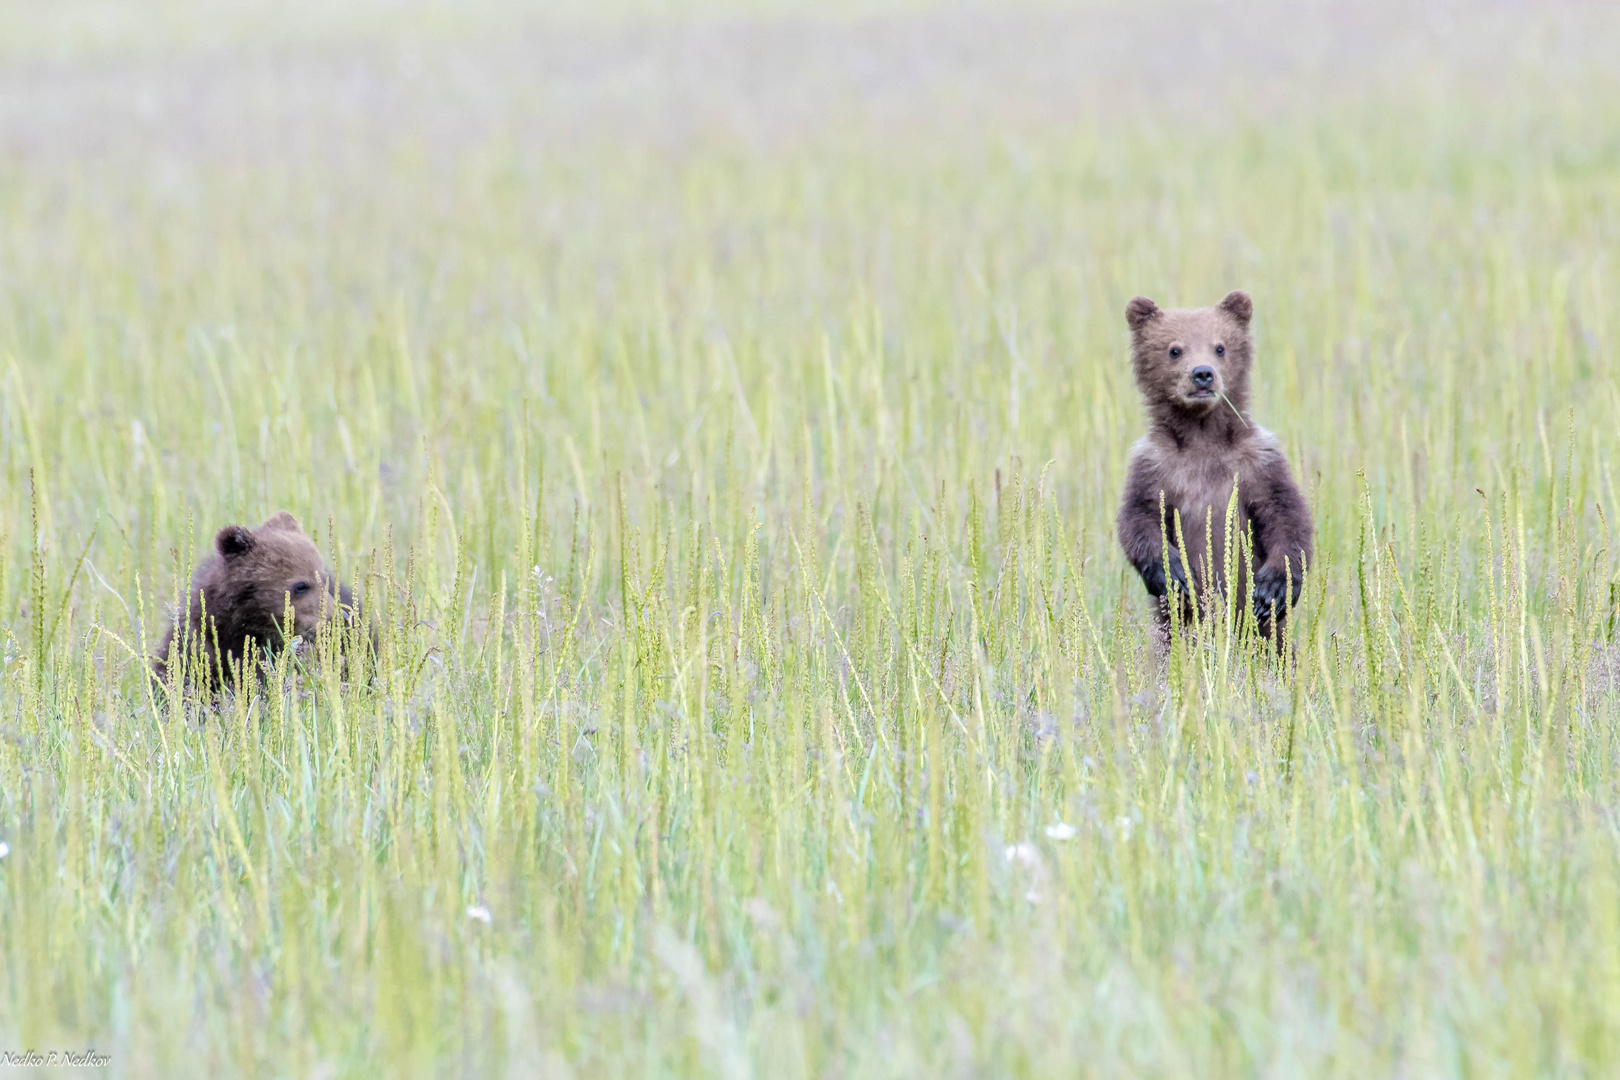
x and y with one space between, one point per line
1192 367
242 591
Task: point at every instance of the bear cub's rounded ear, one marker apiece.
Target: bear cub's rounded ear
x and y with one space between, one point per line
233 540
283 521
1238 305
1139 311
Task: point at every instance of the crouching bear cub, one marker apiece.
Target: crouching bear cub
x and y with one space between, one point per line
244 589
1193 370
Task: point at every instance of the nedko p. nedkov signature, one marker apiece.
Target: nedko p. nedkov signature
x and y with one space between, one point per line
47 1059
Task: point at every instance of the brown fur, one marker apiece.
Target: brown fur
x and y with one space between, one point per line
245 586
1201 438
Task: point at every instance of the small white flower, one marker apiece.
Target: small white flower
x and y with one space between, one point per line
759 910
1123 823
1023 853
479 913
5 849
1060 831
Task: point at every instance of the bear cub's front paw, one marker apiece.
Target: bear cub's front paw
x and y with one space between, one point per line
1271 586
1152 573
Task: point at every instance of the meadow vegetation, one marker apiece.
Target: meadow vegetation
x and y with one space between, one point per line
761 690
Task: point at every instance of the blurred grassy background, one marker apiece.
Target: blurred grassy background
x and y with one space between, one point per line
563 301
260 267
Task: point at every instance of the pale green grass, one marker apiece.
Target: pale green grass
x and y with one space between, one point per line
739 519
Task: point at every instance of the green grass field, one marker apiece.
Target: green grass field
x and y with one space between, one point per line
724 418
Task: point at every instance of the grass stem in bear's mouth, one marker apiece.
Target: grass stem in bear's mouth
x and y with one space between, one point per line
1234 409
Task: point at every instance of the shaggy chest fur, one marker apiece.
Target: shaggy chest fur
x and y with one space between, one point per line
1197 478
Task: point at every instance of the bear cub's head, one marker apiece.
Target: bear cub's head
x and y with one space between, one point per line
263 570
1188 360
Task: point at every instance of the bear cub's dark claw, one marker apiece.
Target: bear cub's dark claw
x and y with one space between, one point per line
1271 586
1153 573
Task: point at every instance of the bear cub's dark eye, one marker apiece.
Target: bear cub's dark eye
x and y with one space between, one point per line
300 588
1175 352
1220 350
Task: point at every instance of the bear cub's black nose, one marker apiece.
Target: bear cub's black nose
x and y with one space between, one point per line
1203 377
